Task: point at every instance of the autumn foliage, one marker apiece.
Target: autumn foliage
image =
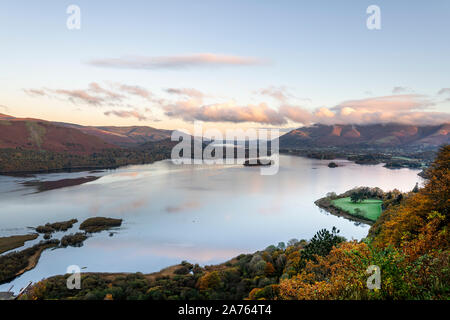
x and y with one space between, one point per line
410 244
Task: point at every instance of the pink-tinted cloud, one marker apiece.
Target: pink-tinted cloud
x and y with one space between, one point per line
224 112
278 93
397 108
95 87
388 103
77 96
174 62
409 108
95 94
189 104
189 92
35 92
136 90
127 114
296 114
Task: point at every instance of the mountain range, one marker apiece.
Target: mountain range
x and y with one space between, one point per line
371 135
37 134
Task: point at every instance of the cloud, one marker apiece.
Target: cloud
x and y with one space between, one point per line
397 90
5 108
95 94
444 91
95 87
190 110
278 93
226 112
189 104
388 103
296 114
136 90
82 96
34 92
189 92
126 114
176 62
410 108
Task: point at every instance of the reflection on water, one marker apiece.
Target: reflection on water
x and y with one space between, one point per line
203 214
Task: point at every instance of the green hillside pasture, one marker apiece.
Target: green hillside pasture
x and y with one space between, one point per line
370 208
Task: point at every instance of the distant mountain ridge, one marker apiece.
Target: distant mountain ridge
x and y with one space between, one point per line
373 135
37 134
123 136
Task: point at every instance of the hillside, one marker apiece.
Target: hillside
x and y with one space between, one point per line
375 135
40 134
123 136
33 145
35 134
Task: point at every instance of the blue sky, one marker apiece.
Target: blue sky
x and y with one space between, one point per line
318 54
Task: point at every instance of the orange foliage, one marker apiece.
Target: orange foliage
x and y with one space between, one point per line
410 244
269 269
403 223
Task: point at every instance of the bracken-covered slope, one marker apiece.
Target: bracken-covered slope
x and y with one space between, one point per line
124 136
375 135
35 134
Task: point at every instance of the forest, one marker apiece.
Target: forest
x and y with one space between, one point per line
19 160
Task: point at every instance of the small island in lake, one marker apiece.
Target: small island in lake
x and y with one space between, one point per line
258 163
332 165
98 224
15 263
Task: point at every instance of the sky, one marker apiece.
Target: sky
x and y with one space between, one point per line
230 64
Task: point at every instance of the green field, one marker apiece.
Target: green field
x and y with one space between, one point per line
371 208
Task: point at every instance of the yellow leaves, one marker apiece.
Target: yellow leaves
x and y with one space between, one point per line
339 275
435 215
254 293
108 297
210 280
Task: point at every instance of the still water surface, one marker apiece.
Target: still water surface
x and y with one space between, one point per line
203 214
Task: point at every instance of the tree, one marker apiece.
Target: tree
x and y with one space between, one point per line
281 246
356 196
210 280
269 270
321 244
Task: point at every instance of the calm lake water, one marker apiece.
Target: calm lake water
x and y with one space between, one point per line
203 214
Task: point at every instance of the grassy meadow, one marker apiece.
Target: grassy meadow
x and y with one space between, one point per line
370 208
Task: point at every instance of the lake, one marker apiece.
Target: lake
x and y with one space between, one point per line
199 213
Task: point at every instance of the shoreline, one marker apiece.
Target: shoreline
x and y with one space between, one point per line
29 174
358 162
